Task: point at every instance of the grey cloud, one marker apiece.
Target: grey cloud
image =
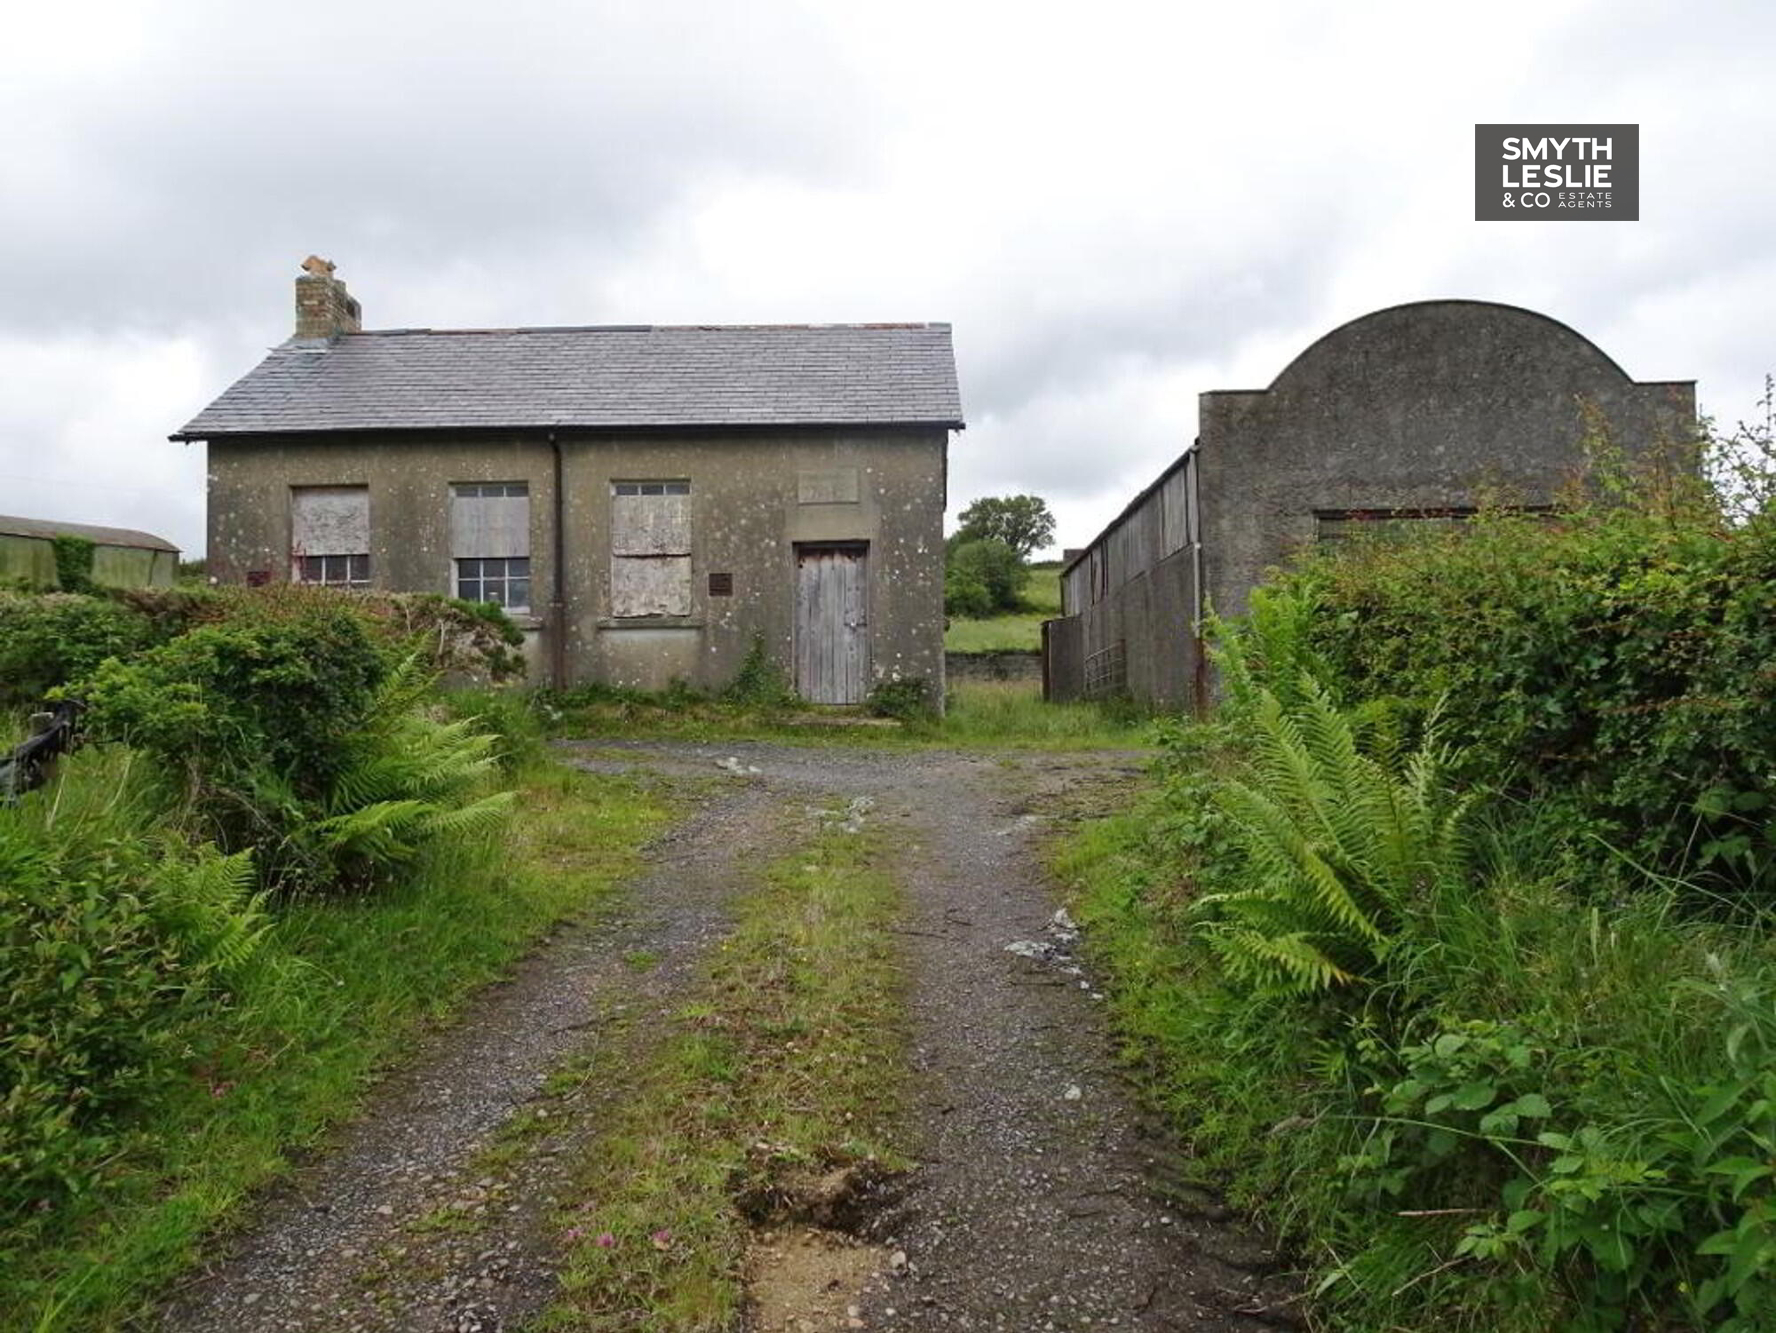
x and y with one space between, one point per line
232 143
533 162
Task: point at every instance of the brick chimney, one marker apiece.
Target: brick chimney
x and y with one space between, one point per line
324 309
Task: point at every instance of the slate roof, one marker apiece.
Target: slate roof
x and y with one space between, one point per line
40 527
600 377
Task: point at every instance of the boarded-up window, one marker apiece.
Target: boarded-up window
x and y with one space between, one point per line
650 548
330 535
490 542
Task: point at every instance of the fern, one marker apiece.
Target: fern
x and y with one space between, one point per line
408 780
208 905
1336 846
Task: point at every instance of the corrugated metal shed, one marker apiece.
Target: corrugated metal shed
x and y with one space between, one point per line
39 527
122 557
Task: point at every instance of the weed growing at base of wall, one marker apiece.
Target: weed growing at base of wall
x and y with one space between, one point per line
905 697
760 682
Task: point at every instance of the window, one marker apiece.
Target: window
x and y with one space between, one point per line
330 536
337 571
490 542
650 548
504 581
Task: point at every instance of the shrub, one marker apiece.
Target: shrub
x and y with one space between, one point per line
510 717
111 929
74 562
289 732
1615 663
966 595
989 565
404 780
1410 1000
472 640
273 693
903 697
49 639
1337 850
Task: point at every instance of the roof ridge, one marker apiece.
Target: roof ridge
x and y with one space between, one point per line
884 325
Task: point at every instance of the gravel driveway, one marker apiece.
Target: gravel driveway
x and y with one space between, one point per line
1040 1200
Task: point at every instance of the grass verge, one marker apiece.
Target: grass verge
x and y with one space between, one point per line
1540 1137
339 989
784 1067
1019 630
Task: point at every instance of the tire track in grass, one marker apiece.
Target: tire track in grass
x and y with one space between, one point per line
753 1141
431 1214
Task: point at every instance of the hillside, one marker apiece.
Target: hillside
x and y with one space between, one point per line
1042 601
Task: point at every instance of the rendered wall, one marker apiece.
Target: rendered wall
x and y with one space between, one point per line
1139 640
754 495
1421 406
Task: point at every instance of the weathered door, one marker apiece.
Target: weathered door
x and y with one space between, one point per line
832 648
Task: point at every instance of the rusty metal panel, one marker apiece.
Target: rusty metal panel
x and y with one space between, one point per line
650 525
650 586
490 521
832 646
329 520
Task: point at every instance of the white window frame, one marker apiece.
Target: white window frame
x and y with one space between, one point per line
505 553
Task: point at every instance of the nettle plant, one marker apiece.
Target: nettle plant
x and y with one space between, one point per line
1668 1212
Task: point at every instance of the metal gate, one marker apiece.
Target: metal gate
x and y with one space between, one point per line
832 647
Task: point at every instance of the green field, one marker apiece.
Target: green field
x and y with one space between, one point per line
1042 601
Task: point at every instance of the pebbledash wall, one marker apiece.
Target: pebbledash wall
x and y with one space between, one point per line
1414 412
750 506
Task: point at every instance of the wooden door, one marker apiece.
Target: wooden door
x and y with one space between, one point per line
832 648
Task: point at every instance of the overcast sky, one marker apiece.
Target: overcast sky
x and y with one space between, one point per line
1118 206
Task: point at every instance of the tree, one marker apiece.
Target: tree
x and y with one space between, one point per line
983 577
1022 522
